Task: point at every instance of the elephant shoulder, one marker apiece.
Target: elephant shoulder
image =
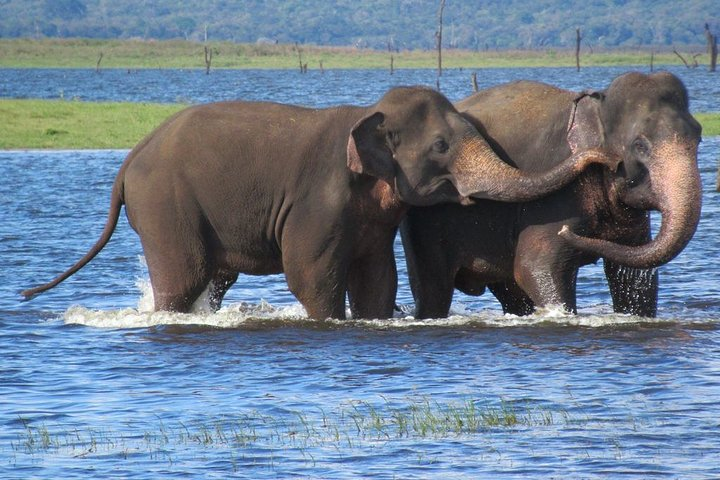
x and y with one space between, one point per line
517 91
535 104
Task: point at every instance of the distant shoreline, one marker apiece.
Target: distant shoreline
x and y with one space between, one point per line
63 125
143 54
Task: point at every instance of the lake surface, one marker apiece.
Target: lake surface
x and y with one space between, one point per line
332 87
94 385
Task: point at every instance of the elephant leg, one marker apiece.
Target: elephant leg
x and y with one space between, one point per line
512 298
221 283
372 286
633 290
433 294
177 275
431 278
436 304
545 269
319 285
432 286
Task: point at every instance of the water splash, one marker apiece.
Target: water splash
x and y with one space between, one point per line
146 303
144 316
265 315
236 316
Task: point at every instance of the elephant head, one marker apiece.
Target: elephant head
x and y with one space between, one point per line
415 140
645 120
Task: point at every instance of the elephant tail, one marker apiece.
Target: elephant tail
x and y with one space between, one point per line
116 203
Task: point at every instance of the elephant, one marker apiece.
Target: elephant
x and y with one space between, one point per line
317 194
528 253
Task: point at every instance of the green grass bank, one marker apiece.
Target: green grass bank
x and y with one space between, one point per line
63 124
710 123
88 53
60 124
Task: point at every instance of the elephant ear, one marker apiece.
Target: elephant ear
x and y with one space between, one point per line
585 128
367 150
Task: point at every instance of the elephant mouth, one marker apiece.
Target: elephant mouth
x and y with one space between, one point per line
675 190
439 190
445 185
635 193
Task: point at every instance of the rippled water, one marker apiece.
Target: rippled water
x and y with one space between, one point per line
318 89
92 384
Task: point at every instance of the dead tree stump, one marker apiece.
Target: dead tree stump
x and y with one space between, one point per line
208 59
712 47
578 37
438 38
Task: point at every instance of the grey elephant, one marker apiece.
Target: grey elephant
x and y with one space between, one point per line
262 188
528 254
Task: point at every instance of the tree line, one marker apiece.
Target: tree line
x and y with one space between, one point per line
379 24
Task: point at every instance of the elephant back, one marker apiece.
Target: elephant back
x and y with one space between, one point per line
524 121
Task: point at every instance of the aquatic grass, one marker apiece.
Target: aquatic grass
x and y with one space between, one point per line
351 423
256 437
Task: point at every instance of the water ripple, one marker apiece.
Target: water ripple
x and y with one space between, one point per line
94 384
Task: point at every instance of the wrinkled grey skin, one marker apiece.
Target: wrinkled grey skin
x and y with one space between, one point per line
262 188
528 254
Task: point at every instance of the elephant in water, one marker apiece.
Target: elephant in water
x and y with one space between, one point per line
528 254
262 188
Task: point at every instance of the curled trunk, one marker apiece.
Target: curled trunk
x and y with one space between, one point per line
480 173
679 195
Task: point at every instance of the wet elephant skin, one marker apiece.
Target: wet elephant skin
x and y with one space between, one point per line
528 254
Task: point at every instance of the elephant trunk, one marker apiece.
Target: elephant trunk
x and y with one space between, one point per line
678 191
480 173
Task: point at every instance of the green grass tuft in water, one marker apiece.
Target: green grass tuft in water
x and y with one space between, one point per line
353 424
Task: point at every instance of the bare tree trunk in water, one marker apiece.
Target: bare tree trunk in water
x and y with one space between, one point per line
681 57
392 57
438 38
711 47
208 59
303 67
577 48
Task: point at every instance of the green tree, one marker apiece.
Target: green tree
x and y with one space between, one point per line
186 25
65 9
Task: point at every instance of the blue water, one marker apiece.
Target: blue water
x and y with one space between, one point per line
94 385
332 87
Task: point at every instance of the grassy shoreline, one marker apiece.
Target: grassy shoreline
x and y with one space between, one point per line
62 124
86 53
50 124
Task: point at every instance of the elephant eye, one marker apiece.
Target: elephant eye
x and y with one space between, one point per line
441 146
640 146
